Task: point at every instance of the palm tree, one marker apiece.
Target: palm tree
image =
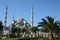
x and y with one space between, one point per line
58 29
50 24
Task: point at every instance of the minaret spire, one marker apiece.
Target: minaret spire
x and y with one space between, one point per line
32 17
13 21
13 17
5 18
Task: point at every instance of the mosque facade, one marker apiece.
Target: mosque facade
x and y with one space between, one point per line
19 22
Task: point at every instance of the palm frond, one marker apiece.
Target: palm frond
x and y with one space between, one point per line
50 19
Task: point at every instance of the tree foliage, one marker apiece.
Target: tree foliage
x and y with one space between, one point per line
23 30
43 29
34 29
1 25
49 23
16 30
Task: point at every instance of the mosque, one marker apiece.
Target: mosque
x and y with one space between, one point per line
19 22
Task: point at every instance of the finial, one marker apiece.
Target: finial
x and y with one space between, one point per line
6 7
13 17
32 9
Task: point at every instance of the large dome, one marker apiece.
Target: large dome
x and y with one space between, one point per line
20 19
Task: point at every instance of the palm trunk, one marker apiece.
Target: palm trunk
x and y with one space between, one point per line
51 36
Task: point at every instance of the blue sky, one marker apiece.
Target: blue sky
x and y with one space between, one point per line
22 8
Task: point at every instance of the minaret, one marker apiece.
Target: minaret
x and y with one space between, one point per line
5 18
13 21
13 17
13 24
32 17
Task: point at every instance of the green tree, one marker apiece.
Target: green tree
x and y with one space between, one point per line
50 24
16 30
1 25
34 29
43 29
23 30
